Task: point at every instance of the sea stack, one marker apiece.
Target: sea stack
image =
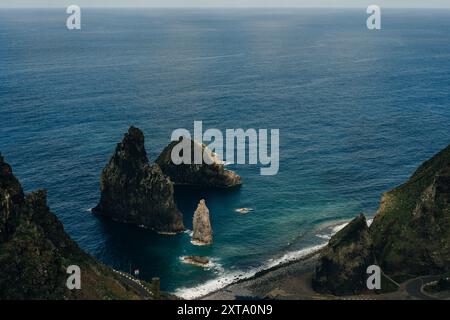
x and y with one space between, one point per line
136 192
211 173
203 234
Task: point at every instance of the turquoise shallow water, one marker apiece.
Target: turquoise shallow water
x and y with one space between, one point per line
357 112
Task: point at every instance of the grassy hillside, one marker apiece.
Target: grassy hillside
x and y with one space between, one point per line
411 230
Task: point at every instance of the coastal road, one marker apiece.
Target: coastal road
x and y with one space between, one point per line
414 287
145 293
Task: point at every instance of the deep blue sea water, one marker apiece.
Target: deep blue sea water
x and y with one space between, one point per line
358 111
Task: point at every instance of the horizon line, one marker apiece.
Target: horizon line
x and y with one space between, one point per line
215 7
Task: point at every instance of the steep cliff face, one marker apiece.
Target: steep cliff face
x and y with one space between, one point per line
343 263
12 198
411 230
410 234
134 191
35 251
202 234
208 174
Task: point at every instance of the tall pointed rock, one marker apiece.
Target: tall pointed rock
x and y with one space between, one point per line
136 192
203 234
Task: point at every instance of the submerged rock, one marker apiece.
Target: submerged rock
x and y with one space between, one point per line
210 173
202 234
243 210
196 260
136 192
343 263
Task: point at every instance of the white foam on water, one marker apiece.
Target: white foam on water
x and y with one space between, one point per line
293 256
189 232
227 278
337 228
213 265
332 231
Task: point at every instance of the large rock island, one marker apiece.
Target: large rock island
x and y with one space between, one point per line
409 237
135 191
209 173
35 252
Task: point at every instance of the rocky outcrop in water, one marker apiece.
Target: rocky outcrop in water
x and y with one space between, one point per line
210 173
135 191
203 234
409 237
35 251
196 260
343 263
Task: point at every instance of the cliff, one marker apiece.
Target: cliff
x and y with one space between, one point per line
35 251
343 263
411 230
207 174
136 192
410 234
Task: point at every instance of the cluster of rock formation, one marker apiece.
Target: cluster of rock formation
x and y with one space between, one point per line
35 251
137 192
410 234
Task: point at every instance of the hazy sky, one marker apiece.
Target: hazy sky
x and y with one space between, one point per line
228 3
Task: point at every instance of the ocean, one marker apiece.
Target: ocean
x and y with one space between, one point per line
357 111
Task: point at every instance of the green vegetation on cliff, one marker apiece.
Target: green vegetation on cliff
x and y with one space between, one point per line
343 263
409 237
411 230
35 252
